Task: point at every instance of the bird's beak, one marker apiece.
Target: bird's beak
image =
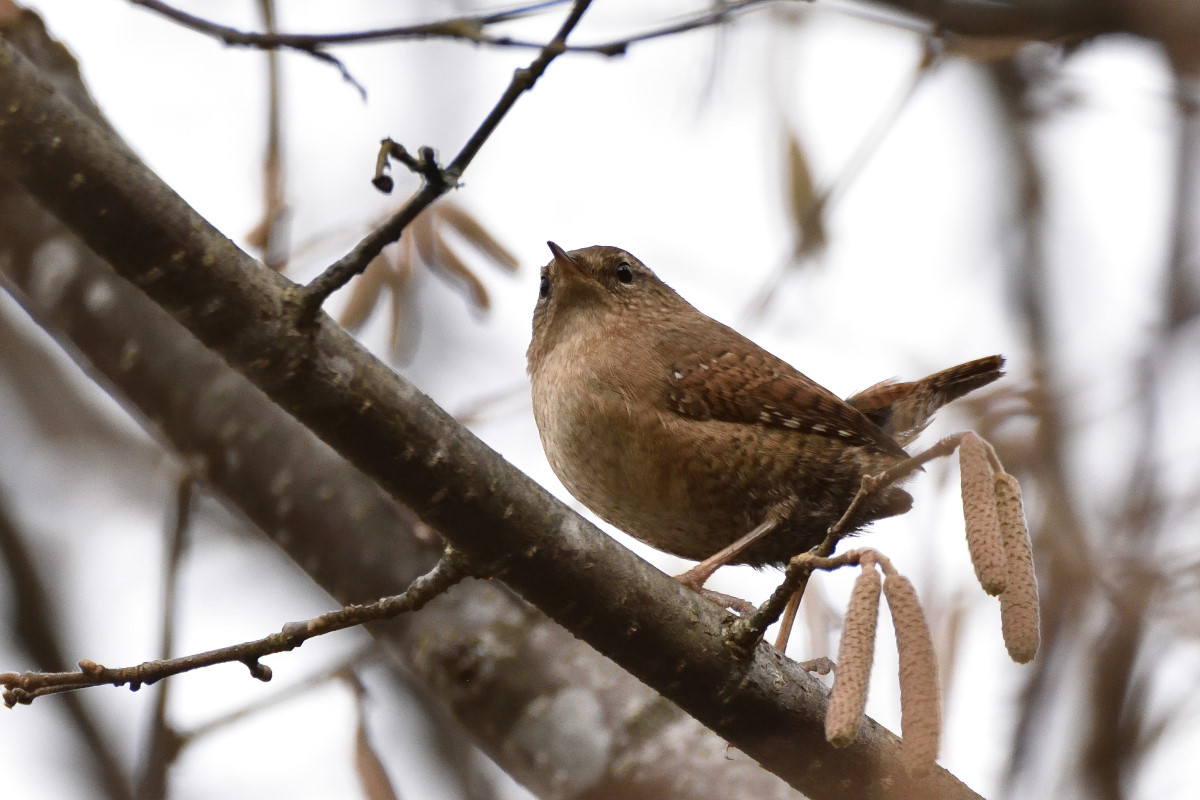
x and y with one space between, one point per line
564 261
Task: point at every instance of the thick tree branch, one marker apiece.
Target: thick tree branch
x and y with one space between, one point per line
357 543
664 634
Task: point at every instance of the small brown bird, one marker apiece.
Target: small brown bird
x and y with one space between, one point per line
685 434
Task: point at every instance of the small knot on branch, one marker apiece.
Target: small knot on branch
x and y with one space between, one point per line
424 164
89 667
295 633
16 695
258 671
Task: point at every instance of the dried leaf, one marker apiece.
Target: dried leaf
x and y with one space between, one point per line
365 293
421 230
856 653
979 512
256 237
470 229
268 236
1019 609
405 332
371 775
423 242
920 697
805 204
448 263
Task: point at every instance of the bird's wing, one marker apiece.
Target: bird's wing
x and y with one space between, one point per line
758 388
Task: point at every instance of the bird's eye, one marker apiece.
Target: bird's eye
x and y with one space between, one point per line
624 272
544 287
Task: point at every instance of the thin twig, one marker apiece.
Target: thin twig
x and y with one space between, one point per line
234 37
437 182
867 147
275 212
618 47
745 632
24 688
469 28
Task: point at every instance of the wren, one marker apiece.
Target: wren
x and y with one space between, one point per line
688 436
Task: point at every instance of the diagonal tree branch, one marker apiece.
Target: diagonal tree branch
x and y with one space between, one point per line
665 635
479 652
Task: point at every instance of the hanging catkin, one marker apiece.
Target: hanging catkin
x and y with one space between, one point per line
1019 615
920 699
855 655
980 514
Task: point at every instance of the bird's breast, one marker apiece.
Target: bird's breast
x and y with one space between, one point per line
603 443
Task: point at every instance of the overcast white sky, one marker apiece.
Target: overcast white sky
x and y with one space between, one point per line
644 153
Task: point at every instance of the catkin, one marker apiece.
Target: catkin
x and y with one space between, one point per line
855 655
1019 615
979 512
920 699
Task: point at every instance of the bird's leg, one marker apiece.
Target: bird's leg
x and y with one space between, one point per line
799 569
697 576
742 608
788 619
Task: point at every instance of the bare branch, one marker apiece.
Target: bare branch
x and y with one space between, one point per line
24 688
437 181
469 28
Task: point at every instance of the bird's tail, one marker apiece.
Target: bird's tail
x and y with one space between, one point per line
903 410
